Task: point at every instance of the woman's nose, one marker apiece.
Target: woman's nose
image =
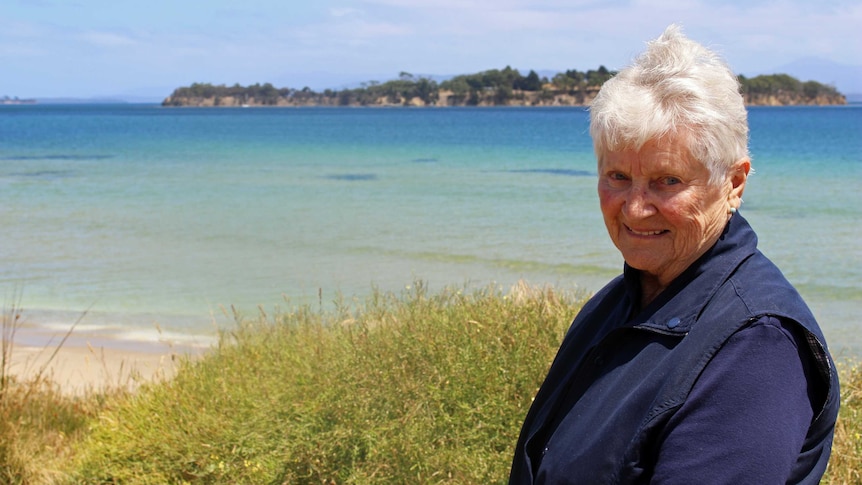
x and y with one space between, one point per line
638 203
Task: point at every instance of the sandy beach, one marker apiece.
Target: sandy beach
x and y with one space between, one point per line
78 370
92 363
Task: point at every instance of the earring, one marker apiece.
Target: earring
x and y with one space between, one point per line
732 210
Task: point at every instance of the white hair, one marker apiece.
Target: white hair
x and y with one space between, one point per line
680 89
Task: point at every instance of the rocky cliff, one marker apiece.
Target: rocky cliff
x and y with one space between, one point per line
775 90
447 98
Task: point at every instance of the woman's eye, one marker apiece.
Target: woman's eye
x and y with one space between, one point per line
618 176
671 180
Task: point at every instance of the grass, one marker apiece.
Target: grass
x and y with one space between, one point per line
845 464
419 389
37 421
410 388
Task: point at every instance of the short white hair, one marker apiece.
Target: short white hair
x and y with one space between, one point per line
680 89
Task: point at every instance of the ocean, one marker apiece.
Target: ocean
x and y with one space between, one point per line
151 224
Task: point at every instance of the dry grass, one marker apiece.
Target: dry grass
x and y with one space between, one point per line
416 388
845 465
38 423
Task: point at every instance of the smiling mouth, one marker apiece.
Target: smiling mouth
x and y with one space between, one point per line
646 233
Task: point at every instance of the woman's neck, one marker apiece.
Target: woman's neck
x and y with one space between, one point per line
651 287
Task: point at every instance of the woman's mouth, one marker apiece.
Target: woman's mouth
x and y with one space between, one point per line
645 233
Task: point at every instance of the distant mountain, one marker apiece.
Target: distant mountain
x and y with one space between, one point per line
847 78
70 100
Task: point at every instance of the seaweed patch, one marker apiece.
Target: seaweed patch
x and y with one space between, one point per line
556 171
43 174
352 177
54 157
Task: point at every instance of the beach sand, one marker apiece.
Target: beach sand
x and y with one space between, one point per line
78 370
87 363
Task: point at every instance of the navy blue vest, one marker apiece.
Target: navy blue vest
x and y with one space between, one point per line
640 372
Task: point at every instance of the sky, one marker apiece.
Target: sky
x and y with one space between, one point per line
146 49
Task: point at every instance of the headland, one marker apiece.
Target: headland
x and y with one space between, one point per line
506 87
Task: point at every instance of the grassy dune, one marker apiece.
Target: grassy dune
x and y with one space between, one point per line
411 388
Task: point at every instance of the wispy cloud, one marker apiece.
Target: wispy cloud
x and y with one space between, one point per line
349 31
107 39
251 41
492 5
20 50
344 11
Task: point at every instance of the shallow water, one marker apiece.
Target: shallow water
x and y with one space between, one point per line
156 219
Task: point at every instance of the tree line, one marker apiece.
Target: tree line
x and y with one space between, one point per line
498 85
494 86
776 84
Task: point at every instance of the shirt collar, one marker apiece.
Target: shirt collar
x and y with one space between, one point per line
677 308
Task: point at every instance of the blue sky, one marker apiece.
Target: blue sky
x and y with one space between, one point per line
85 48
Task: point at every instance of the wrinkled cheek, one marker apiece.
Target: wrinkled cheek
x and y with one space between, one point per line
609 205
612 227
695 237
611 222
604 195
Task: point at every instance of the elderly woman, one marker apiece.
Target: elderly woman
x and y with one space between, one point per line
700 363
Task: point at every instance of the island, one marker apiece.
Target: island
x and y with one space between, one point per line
16 100
495 87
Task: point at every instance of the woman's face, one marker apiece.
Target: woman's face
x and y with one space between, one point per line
660 209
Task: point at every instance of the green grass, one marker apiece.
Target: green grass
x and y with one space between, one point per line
845 464
411 388
38 426
38 423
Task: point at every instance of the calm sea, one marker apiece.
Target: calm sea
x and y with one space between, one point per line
153 220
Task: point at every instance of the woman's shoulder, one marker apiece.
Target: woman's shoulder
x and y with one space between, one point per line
764 290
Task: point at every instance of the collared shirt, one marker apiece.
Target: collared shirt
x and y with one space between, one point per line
723 378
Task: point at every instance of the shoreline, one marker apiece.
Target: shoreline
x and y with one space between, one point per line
93 361
81 370
210 103
97 357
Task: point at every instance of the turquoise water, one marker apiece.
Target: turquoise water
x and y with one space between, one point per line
159 218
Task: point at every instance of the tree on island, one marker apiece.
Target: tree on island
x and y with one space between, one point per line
491 87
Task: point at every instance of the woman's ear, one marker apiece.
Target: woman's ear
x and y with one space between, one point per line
738 176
